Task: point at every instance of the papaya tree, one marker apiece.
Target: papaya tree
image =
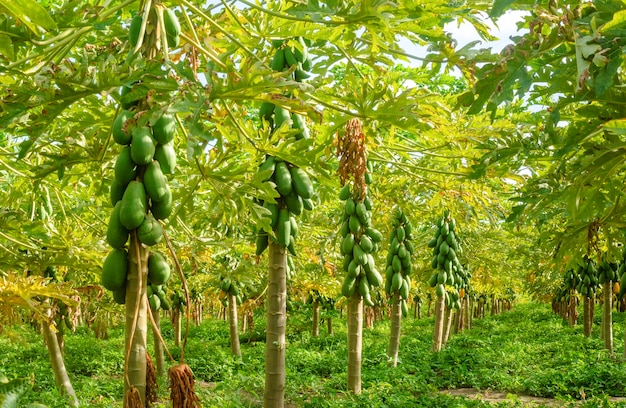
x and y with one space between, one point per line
397 279
359 242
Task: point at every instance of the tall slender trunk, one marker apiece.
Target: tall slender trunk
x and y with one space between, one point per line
58 365
315 331
447 323
607 316
467 314
573 311
396 326
244 323
234 326
159 356
456 321
329 325
587 316
177 325
136 312
275 344
355 342
440 305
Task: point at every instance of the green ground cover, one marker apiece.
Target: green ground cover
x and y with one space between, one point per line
527 351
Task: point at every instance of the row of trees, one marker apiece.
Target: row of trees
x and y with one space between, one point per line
553 171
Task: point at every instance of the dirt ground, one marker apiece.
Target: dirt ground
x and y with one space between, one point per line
496 397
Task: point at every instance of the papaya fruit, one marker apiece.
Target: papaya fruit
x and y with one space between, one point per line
440 291
290 58
294 203
281 116
432 282
283 178
308 204
350 207
268 165
162 209
366 244
354 224
155 182
119 295
283 228
404 308
301 183
348 287
133 207
300 124
142 146
172 25
115 270
125 168
294 226
359 256
117 192
344 194
300 74
150 231
262 242
155 302
374 277
117 235
396 264
278 61
301 52
374 234
400 234
173 41
166 156
405 289
158 269
364 287
273 208
127 99
163 129
291 246
121 129
347 244
134 29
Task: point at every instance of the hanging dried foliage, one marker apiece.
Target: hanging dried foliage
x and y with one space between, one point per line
182 392
352 156
132 399
151 382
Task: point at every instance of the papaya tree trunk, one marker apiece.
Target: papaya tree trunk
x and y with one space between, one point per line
440 305
573 311
159 355
58 365
607 316
355 342
456 321
329 325
234 325
275 343
587 316
315 331
467 314
447 323
396 325
177 325
136 320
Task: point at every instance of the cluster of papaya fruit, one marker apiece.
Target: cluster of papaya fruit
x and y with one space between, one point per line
229 287
399 265
360 241
294 186
586 281
171 26
448 269
140 193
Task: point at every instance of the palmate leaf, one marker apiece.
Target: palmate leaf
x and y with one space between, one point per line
25 293
12 391
30 13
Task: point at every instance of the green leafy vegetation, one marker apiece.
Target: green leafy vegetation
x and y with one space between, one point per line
526 351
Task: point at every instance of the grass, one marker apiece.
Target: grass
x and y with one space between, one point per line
527 351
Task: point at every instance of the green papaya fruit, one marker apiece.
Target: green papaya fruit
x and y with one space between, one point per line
294 203
308 204
291 247
117 235
364 287
155 303
440 291
172 25
301 183
133 207
125 168
350 207
374 277
117 192
266 110
347 258
121 129
282 116
278 61
404 308
173 41
348 287
374 234
354 224
283 229
396 264
142 146
268 165
283 178
150 231
294 226
155 182
164 128
166 156
158 269
300 123
134 29
273 208
262 242
115 270
366 244
432 282
119 295
344 194
359 256
347 244
162 209
400 234
290 58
